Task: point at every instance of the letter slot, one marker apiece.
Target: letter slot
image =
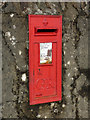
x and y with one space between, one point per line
46 31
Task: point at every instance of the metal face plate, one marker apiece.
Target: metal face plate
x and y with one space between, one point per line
45 58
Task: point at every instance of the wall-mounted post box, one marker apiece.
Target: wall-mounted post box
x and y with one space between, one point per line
45 58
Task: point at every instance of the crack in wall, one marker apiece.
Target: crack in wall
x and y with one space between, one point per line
73 85
17 71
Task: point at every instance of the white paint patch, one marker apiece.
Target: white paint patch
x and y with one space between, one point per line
56 111
54 5
45 117
38 116
17 67
14 53
64 52
8 34
68 74
10 38
75 69
31 110
23 77
61 111
13 43
65 65
81 73
54 11
63 105
44 13
20 52
52 105
68 62
4 1
39 11
64 44
11 15
14 26
71 56
23 12
13 38
28 9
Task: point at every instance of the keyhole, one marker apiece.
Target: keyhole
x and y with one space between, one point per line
39 70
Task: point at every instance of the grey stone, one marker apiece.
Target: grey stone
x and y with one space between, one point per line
83 107
8 74
23 91
21 55
12 7
83 25
10 107
20 33
0 111
80 81
71 13
83 52
15 60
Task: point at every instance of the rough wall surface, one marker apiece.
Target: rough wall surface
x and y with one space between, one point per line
15 42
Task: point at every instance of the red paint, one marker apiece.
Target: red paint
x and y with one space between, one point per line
45 79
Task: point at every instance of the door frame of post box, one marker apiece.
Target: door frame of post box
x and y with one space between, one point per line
30 75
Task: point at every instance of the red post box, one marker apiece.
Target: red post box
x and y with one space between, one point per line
45 58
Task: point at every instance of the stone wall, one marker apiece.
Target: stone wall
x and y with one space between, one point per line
15 40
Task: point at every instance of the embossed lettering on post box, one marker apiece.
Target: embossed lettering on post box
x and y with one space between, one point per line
45 58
